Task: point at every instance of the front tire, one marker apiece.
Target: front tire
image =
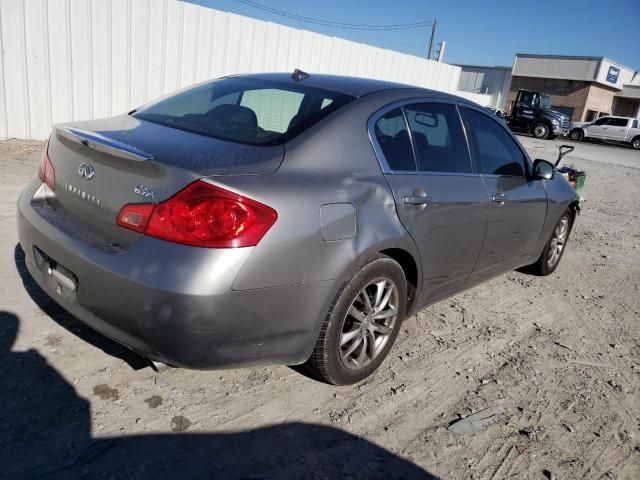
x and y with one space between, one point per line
541 130
635 143
577 135
554 248
362 324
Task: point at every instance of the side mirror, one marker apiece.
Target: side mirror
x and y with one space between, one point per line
543 169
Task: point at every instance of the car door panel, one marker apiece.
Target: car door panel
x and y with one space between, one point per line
618 129
599 128
515 220
448 230
518 203
445 212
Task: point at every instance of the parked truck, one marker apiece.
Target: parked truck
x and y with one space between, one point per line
623 130
531 112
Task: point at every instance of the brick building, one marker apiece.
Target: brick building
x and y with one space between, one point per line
584 88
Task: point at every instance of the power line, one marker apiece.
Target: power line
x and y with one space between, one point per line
330 23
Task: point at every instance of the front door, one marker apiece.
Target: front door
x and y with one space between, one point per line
524 110
599 128
518 202
439 199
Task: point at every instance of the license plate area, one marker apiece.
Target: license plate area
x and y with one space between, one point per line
61 280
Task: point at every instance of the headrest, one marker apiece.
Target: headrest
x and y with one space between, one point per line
234 114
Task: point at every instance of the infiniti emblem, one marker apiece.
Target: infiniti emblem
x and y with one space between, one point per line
86 171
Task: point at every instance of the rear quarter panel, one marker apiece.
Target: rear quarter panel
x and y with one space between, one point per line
331 163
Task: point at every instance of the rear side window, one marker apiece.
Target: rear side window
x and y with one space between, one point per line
438 138
393 138
497 152
619 122
245 110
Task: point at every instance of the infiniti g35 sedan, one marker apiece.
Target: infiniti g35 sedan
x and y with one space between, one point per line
278 218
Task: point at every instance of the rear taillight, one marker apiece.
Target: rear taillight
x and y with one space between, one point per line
202 215
46 172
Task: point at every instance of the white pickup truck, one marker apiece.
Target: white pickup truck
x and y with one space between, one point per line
610 129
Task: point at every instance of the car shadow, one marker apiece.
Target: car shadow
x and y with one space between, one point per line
68 321
45 432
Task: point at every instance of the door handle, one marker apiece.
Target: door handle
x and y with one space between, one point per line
417 200
499 199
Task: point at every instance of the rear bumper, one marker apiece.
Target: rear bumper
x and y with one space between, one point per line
169 302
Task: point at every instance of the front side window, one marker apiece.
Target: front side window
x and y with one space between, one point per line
393 138
245 110
602 121
526 99
497 153
438 138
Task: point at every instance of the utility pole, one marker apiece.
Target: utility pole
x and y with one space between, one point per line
433 34
440 55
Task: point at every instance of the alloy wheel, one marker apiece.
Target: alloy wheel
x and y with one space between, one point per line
558 241
369 323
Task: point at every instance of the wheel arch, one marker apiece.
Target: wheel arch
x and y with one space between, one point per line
541 120
410 269
574 207
577 129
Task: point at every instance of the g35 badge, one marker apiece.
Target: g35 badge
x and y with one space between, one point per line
145 192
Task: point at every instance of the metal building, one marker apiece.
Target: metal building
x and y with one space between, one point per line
582 87
493 81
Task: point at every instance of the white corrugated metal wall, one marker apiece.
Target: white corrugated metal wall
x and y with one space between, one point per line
77 59
492 81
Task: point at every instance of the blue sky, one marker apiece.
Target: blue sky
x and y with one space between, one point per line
485 32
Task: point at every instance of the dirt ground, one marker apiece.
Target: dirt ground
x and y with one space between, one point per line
559 356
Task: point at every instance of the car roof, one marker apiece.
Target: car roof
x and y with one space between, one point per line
354 86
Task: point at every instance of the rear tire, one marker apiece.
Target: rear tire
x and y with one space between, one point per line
635 143
577 135
554 248
362 324
541 130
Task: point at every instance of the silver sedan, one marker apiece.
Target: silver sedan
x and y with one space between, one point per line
278 218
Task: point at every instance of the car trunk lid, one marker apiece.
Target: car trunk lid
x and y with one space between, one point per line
102 165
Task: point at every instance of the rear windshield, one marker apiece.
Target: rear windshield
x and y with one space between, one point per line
244 110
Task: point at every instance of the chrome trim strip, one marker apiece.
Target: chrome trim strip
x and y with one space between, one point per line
103 144
436 174
410 135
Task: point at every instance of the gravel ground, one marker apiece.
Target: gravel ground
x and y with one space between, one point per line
557 359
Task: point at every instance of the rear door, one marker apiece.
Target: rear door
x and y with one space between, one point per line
518 203
618 129
439 199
